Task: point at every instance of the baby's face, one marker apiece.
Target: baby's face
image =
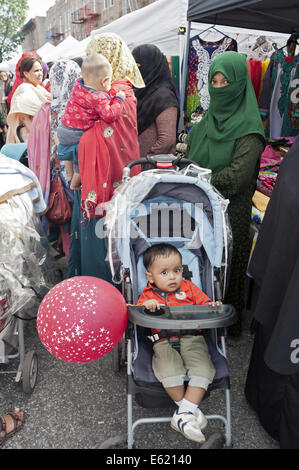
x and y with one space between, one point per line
166 272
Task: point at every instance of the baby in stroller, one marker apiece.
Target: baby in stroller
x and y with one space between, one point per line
177 356
175 205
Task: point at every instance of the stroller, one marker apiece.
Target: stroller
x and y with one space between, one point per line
172 203
23 259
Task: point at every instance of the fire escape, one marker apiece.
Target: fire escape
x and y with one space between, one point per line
55 33
86 15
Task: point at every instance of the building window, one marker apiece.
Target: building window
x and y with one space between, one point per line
111 3
105 4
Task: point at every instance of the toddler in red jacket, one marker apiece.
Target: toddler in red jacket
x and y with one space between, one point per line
164 271
89 102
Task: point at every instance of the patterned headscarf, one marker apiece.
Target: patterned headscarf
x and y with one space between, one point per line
18 80
118 54
63 75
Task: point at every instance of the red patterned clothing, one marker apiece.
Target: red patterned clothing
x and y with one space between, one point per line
104 151
188 293
86 106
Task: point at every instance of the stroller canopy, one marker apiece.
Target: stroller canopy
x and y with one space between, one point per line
161 206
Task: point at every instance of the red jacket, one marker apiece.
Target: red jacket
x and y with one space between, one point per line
104 151
85 107
188 294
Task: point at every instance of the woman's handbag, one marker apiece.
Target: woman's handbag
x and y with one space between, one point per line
60 210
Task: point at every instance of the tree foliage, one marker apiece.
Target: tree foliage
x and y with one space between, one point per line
12 18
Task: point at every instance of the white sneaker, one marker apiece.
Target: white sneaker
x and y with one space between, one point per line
201 419
187 424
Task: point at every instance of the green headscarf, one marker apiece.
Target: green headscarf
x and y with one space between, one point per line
233 113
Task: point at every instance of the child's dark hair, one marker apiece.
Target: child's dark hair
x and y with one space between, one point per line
162 249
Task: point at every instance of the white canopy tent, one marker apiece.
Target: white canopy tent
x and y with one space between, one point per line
62 50
79 50
156 23
4 67
10 65
159 23
45 51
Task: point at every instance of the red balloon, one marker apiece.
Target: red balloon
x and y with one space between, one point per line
81 319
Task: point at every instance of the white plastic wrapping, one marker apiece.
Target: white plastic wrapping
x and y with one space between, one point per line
22 256
128 197
125 200
205 175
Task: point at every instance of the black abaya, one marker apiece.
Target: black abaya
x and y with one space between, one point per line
272 385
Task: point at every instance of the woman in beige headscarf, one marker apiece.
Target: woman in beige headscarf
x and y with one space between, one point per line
27 99
104 150
119 55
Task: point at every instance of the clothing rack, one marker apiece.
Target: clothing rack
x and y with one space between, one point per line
215 29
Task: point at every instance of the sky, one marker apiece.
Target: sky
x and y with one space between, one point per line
38 7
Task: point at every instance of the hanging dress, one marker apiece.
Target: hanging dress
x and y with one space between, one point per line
201 55
278 101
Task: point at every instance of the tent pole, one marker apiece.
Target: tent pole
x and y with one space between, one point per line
184 77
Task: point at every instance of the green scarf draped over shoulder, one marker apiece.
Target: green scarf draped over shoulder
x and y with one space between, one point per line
233 113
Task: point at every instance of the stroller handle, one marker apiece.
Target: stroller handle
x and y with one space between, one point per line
184 317
157 161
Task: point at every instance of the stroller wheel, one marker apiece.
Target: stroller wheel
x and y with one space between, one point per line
117 353
117 442
215 441
29 374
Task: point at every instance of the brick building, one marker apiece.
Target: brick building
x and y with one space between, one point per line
34 32
79 17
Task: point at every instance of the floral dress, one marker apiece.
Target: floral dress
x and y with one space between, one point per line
201 55
279 101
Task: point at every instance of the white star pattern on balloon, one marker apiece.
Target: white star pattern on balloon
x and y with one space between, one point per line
86 332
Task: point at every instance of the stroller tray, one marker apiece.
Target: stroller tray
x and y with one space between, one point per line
184 317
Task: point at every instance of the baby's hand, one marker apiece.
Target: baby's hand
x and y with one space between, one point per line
151 305
76 182
121 94
215 304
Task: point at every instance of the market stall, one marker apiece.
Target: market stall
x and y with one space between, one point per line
272 381
170 36
266 15
273 67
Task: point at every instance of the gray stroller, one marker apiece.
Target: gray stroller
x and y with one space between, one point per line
23 259
172 203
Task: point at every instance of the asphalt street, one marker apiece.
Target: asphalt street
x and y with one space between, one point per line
79 406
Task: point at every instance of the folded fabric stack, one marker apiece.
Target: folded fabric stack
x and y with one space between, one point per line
259 206
269 167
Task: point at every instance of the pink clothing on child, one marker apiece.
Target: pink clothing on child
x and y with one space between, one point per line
86 106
